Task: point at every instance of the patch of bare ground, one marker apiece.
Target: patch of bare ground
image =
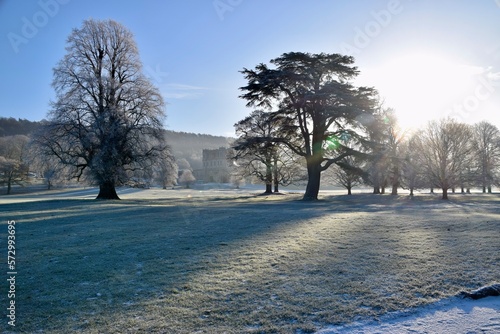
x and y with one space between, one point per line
234 262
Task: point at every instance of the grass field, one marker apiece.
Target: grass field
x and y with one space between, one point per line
181 261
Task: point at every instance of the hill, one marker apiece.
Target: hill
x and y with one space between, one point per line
11 126
190 145
184 145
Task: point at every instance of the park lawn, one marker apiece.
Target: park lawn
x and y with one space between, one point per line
190 262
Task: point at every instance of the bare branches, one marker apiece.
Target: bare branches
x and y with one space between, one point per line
445 148
107 118
263 149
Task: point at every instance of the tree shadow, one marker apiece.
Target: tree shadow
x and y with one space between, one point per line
83 261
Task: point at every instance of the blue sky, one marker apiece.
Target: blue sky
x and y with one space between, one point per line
428 58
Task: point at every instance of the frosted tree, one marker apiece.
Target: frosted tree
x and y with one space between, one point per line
485 142
166 170
259 150
187 178
106 121
412 165
393 141
13 166
445 148
46 166
348 174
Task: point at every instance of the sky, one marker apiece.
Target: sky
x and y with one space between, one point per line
427 58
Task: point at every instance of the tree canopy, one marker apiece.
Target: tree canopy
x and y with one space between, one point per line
314 91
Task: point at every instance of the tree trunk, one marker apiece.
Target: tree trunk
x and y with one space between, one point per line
349 190
383 190
484 189
313 180
9 187
269 176
394 189
411 191
489 189
107 191
432 190
395 181
445 193
275 172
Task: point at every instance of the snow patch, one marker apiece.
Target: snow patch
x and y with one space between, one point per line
449 316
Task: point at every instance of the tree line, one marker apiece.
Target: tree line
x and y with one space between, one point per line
12 127
22 163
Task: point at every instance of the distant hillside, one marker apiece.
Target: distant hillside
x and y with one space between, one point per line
184 145
190 145
11 126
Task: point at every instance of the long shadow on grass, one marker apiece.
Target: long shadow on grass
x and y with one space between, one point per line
82 263
79 257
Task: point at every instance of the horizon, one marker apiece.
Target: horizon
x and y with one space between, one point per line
428 60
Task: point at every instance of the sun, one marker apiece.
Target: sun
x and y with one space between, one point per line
421 86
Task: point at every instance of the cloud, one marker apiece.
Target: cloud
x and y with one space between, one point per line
182 91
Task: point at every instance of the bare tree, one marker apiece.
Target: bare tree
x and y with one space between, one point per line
13 167
394 139
187 178
385 161
485 141
377 160
254 149
237 177
445 147
106 121
258 151
46 166
412 166
288 168
166 170
183 164
12 172
348 174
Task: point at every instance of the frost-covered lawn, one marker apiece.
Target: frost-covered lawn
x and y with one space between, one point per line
180 261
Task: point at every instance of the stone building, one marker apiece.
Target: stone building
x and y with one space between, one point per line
216 166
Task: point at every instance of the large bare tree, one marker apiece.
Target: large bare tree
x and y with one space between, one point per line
107 119
445 147
486 144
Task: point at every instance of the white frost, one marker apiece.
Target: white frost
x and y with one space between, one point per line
450 316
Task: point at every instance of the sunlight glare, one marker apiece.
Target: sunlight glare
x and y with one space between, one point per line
421 86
